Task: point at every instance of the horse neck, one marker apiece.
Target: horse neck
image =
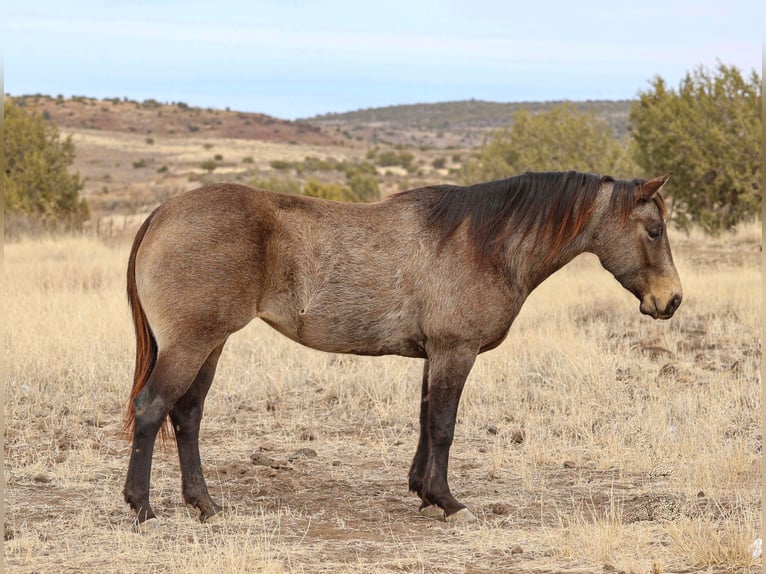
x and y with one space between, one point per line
532 258
533 263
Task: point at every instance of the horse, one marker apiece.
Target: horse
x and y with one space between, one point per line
437 273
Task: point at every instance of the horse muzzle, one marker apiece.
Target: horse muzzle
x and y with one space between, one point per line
661 308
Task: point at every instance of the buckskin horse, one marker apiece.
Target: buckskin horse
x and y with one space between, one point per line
437 273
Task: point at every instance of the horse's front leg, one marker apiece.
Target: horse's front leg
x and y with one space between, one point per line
448 368
418 468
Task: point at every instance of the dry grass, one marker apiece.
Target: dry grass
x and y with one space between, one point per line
592 439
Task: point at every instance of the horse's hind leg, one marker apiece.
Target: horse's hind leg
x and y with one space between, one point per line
173 374
186 416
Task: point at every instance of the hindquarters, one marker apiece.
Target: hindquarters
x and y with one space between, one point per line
201 266
195 273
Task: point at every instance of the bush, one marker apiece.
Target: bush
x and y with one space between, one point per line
563 138
332 191
364 187
311 163
388 159
708 134
280 164
37 184
391 158
278 185
209 165
364 168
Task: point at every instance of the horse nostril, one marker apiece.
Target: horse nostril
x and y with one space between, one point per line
674 303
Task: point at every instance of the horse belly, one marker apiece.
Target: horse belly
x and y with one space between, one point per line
349 330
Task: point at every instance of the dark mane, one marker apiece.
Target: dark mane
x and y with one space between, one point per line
555 206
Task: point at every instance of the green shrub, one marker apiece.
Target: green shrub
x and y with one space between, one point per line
37 184
364 187
209 165
388 159
280 165
332 191
562 138
278 185
708 134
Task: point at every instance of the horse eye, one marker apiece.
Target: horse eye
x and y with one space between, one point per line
655 233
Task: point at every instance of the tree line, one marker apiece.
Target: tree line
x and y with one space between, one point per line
707 132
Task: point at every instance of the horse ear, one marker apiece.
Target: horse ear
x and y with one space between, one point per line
650 187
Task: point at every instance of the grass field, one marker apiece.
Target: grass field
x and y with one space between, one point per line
592 440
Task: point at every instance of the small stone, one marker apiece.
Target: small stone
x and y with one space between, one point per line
261 459
600 498
433 512
461 516
501 508
147 526
518 436
303 453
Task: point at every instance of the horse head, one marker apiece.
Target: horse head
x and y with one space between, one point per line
634 248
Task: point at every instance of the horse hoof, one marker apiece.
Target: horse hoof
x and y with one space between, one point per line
147 526
215 518
433 512
461 516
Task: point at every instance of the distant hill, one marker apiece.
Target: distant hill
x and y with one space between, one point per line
443 125
461 123
470 113
151 117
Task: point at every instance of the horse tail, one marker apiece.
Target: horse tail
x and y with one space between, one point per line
146 344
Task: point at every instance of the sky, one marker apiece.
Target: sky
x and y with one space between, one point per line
299 58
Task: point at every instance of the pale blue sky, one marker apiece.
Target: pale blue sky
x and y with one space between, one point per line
297 58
